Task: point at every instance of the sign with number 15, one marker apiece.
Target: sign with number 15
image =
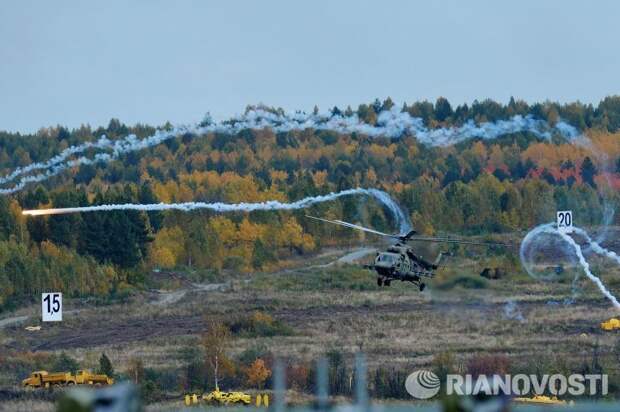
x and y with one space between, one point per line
51 307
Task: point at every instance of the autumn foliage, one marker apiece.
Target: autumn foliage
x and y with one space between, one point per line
257 373
476 187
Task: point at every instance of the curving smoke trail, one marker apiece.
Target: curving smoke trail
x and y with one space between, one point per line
586 268
596 247
401 219
59 163
529 246
390 123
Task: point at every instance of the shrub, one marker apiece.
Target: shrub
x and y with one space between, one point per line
488 365
467 282
65 363
259 324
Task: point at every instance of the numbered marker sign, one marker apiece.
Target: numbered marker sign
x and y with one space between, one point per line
51 307
565 220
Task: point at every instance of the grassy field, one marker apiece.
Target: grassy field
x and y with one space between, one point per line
322 304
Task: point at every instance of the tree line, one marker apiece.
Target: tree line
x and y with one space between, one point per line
476 187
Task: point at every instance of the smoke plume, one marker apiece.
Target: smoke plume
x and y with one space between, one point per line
390 123
533 241
401 219
512 311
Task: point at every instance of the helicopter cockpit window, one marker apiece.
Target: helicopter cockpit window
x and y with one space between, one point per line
385 258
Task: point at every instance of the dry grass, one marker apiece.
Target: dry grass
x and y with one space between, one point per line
394 326
27 406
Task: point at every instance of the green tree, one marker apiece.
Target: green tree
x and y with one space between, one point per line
85 174
65 363
261 254
588 171
443 109
94 233
64 228
105 366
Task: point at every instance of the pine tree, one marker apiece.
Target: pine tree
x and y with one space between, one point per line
64 229
105 366
65 363
94 233
588 171
443 109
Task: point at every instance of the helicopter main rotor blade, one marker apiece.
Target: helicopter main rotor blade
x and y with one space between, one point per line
352 226
405 238
452 240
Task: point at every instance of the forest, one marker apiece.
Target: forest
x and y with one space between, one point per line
477 187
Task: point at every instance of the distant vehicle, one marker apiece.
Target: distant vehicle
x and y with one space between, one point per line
541 399
44 379
399 262
611 324
226 398
218 397
84 377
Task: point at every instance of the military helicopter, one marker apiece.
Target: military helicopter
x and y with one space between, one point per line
398 261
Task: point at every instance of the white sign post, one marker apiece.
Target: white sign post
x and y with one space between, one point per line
51 307
565 220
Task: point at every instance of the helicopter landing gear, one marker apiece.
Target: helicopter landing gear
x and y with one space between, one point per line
422 286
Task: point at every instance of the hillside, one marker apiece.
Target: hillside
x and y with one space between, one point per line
477 187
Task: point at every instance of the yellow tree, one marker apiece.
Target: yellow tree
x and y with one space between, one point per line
257 373
167 249
215 342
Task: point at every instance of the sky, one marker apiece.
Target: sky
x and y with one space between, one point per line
149 61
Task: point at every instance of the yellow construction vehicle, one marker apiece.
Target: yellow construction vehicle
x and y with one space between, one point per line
225 398
40 379
44 379
541 399
219 397
611 324
84 377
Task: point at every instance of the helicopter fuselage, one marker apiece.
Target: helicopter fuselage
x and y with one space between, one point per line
399 262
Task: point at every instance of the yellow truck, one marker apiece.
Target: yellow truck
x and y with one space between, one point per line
44 379
40 379
84 377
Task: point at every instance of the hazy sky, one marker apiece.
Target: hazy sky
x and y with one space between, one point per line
73 62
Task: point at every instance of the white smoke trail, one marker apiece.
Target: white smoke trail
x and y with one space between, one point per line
586 268
512 311
596 247
102 143
58 163
401 219
390 123
528 246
